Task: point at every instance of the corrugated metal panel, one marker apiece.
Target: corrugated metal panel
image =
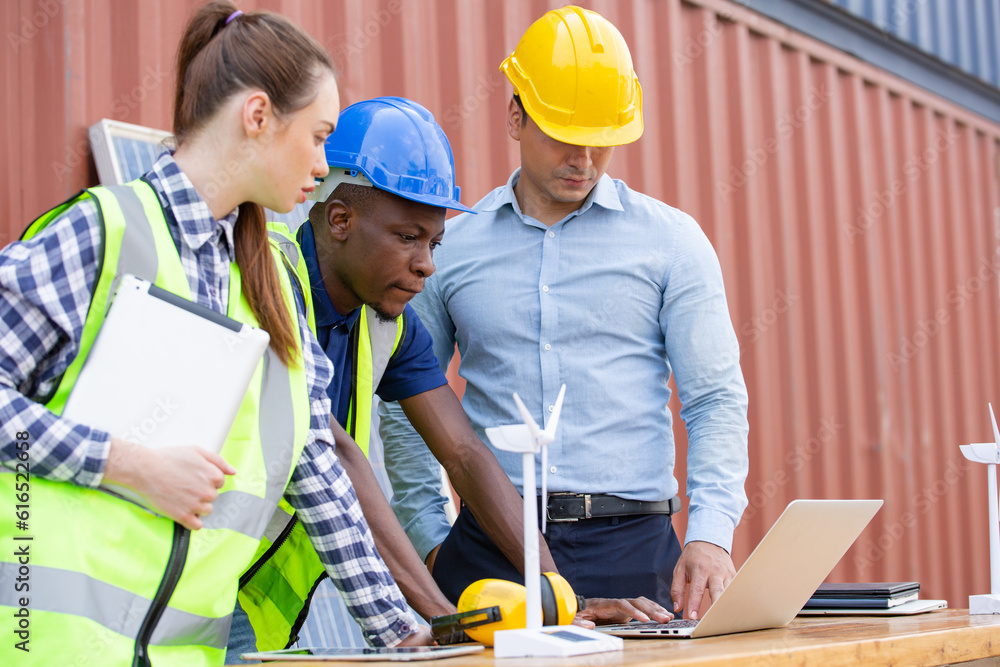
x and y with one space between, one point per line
851 213
855 217
964 33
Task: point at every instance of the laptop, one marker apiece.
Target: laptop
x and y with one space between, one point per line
906 609
802 547
165 371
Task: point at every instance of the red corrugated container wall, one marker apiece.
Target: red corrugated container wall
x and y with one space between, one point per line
854 214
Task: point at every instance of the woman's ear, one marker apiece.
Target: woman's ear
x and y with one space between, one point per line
258 114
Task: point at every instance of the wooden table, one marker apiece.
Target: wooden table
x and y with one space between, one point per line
941 637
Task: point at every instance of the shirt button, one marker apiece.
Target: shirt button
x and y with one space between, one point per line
545 288
547 347
552 408
552 470
552 235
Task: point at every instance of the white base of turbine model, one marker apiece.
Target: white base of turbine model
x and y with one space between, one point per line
536 639
989 453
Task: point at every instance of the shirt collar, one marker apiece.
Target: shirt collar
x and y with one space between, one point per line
326 313
194 218
604 194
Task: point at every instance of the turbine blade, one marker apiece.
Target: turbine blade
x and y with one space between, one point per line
526 416
511 438
996 431
550 428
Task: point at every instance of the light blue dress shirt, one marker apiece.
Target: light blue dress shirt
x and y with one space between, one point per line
609 300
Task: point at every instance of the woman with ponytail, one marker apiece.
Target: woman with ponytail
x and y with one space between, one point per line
115 581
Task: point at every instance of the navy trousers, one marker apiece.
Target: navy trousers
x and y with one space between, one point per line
614 557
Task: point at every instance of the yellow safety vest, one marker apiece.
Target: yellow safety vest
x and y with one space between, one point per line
109 581
275 591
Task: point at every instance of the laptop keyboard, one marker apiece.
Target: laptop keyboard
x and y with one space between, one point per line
679 623
653 625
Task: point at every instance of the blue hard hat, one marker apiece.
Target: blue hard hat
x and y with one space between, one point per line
399 147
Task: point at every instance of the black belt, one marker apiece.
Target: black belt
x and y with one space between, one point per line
576 506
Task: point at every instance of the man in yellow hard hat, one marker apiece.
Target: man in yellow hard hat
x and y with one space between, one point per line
568 276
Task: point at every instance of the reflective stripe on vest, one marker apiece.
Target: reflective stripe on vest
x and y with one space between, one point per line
245 512
137 243
116 609
373 342
275 591
98 562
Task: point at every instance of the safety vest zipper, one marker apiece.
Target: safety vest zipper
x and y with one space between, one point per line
175 566
285 532
293 635
352 407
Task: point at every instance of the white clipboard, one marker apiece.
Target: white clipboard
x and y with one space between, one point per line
165 371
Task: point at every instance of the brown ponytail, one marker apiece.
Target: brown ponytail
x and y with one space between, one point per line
215 61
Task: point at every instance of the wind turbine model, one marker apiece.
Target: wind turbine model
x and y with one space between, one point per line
989 453
536 639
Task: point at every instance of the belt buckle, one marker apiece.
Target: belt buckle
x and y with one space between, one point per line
571 519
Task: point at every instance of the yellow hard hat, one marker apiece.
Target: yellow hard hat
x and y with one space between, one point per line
489 605
573 73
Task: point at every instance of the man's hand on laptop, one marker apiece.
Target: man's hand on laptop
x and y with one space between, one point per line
702 572
620 610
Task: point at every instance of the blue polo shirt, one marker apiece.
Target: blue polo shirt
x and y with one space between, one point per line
412 370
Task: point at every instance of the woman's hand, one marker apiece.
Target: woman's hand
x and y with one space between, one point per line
178 482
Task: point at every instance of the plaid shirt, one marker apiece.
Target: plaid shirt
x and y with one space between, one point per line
45 292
